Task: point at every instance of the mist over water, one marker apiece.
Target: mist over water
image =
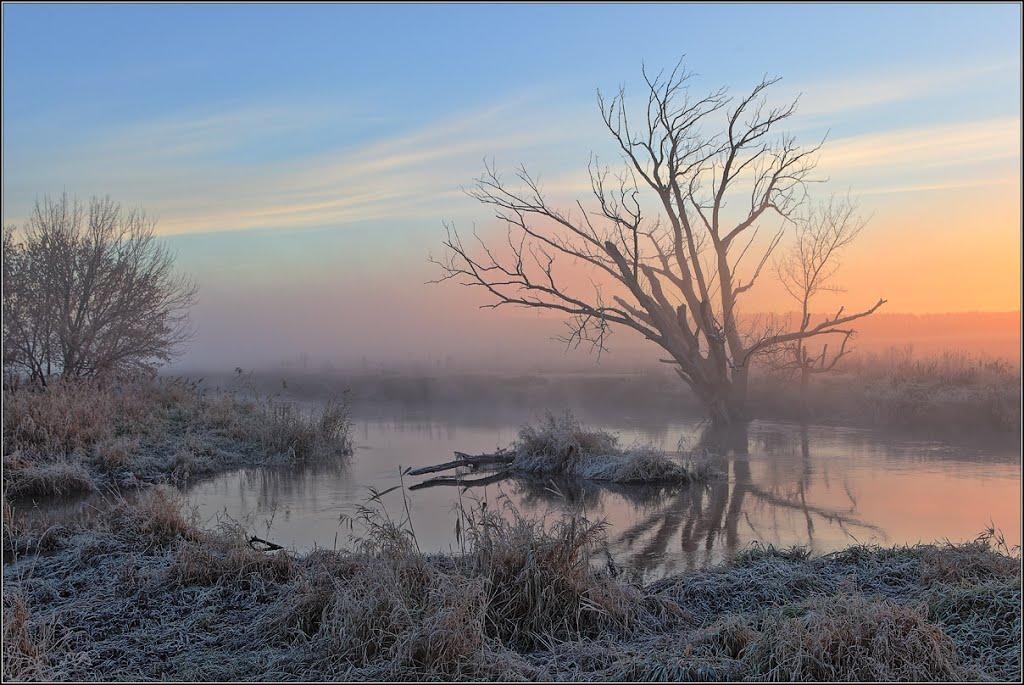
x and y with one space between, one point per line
822 487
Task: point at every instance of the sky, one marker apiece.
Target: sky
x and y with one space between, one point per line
301 158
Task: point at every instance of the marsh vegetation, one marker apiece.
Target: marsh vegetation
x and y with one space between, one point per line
559 446
76 435
518 599
895 388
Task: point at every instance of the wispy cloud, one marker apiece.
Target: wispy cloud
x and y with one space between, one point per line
417 175
409 175
203 172
861 91
206 171
959 144
193 135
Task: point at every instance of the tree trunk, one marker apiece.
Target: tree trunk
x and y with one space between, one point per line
726 438
805 378
727 402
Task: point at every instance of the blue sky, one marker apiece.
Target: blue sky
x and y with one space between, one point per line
209 89
316 139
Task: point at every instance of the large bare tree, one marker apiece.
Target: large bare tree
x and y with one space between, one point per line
89 290
677 273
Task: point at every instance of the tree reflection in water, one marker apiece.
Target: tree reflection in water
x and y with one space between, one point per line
703 519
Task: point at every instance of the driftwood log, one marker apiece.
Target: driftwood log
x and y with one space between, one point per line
473 461
261 545
464 482
462 459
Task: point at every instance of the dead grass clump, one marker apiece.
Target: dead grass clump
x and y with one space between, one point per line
286 429
435 624
558 443
539 581
853 638
31 652
975 562
158 518
561 446
218 562
224 411
714 652
34 479
908 571
116 454
451 631
728 637
60 419
316 581
390 617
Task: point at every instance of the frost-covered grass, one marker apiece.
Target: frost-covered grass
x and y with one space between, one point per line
141 593
950 391
560 446
79 436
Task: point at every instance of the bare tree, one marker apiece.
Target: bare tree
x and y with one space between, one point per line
27 319
89 290
676 275
806 271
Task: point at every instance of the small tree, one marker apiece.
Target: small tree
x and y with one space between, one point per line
806 271
90 291
676 274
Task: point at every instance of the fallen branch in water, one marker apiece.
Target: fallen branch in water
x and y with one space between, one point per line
467 482
470 460
560 446
268 546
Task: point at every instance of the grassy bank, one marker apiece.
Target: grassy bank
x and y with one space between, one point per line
949 392
81 436
142 593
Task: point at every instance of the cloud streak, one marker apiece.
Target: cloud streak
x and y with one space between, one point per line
855 92
207 171
920 147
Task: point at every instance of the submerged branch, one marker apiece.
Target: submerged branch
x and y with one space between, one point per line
466 482
473 461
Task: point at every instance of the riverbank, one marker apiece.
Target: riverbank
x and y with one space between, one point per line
949 394
85 436
142 592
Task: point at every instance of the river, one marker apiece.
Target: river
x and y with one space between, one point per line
822 487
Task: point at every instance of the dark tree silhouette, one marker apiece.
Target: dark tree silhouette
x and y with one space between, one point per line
676 274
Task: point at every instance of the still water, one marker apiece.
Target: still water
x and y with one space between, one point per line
822 487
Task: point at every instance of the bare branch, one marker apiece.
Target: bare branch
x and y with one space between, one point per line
661 237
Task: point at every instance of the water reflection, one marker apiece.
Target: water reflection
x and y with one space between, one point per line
690 526
823 487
